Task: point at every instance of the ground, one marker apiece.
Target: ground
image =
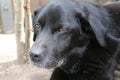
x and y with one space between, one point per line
10 70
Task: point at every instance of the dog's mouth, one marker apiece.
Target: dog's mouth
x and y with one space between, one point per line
47 63
71 61
44 65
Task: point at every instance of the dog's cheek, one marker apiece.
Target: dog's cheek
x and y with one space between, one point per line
63 43
58 46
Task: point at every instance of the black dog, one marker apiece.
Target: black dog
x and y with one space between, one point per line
80 39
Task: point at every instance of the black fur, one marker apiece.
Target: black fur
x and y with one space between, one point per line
80 40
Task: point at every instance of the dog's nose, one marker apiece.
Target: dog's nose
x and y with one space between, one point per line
37 52
35 57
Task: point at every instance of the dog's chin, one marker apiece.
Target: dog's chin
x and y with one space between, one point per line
47 65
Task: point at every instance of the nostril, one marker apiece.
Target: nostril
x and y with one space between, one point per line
35 57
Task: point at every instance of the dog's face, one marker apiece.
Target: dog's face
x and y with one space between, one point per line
58 29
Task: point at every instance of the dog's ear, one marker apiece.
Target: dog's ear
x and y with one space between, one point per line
92 24
98 29
35 17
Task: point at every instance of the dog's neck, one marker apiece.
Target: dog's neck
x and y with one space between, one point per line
71 68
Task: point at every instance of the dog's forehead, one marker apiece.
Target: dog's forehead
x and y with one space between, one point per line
52 11
58 8
51 15
56 14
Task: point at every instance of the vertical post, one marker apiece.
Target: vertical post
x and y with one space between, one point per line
19 30
28 27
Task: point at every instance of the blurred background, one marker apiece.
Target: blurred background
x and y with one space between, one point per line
15 39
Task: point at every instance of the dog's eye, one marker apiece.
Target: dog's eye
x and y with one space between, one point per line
38 26
63 29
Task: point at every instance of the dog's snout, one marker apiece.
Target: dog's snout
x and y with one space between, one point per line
37 53
35 57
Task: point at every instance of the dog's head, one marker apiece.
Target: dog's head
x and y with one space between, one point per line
63 25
